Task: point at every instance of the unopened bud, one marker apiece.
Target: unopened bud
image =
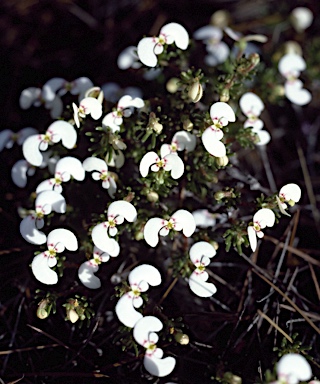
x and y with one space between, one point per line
157 127
220 19
188 125
214 244
42 311
152 196
173 85
182 338
72 315
254 59
224 96
219 195
222 161
95 92
195 91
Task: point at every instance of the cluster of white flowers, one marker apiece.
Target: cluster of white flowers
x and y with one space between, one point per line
292 369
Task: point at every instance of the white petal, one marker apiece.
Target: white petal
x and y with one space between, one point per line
295 367
208 32
265 217
298 96
65 131
42 271
93 107
55 106
24 133
250 102
179 34
151 230
282 207
185 140
301 18
126 312
5 137
256 124
291 192
19 173
264 137
80 86
187 221
86 275
30 232
127 58
31 150
200 287
127 101
109 121
175 165
95 164
252 235
51 87
166 150
291 63
145 51
222 110
203 218
147 273
64 236
144 327
53 199
201 248
159 367
48 185
72 166
29 96
212 145
123 208
101 239
148 159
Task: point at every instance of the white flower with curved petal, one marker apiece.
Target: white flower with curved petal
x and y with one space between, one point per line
301 18
171 162
128 58
144 334
112 91
181 220
295 92
181 140
203 218
35 144
88 106
149 47
66 168
290 193
124 108
218 51
30 96
8 137
99 169
200 255
19 172
293 368
139 279
90 267
263 218
251 106
45 203
117 212
221 114
57 241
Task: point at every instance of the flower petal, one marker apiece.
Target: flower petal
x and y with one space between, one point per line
29 96
147 273
252 235
94 164
145 51
31 150
200 287
126 312
212 145
65 237
72 166
291 192
42 271
291 63
186 220
5 138
294 368
296 95
127 101
265 217
250 103
200 249
53 199
128 58
19 173
264 137
159 367
66 133
30 232
86 275
151 230
179 34
175 165
123 208
147 160
144 327
51 87
208 32
222 110
101 239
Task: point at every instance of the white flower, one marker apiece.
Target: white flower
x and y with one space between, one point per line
200 255
139 279
89 268
301 18
203 218
124 108
169 162
45 203
290 193
221 114
35 144
19 172
8 137
149 47
218 51
88 106
112 91
117 212
293 368
180 141
265 217
181 220
58 240
290 67
59 86
65 168
144 334
128 58
99 169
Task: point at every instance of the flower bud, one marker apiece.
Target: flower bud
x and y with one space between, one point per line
301 18
220 19
219 195
195 91
173 85
222 161
224 96
95 92
188 125
182 338
72 315
152 196
42 312
255 59
157 127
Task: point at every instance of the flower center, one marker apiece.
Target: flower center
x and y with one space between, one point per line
171 224
161 163
256 226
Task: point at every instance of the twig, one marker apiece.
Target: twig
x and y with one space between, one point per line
315 280
8 352
263 315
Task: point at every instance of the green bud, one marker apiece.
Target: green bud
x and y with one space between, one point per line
181 338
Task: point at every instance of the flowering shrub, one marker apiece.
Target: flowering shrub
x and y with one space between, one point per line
151 187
